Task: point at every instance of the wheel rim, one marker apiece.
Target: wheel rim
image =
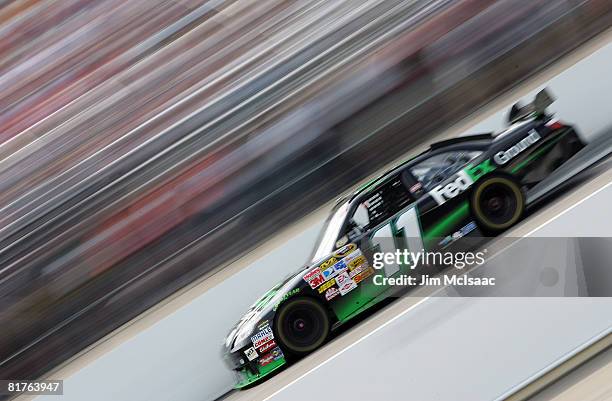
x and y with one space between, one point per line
302 327
498 203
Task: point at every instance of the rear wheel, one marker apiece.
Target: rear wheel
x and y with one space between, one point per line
497 203
302 325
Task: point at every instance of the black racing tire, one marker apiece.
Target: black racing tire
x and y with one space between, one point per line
497 203
301 326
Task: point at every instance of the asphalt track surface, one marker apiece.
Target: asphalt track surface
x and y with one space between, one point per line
598 179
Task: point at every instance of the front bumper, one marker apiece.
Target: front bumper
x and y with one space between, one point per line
248 372
246 376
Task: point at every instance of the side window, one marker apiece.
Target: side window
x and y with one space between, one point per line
361 216
432 171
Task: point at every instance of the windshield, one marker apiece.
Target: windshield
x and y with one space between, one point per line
331 230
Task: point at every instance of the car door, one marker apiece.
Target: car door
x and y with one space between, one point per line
386 219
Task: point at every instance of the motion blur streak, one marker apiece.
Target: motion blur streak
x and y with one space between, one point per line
144 144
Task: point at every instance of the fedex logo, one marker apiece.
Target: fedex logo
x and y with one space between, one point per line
442 193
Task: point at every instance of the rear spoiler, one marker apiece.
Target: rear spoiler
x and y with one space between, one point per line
539 105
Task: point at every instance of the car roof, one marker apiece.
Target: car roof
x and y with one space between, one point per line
462 140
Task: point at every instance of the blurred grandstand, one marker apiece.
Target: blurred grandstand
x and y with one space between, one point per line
146 144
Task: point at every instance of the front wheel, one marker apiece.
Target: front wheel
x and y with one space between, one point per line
302 325
497 203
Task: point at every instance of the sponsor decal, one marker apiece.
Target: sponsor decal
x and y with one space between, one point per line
331 293
262 337
352 256
314 278
273 355
468 228
277 353
357 270
332 271
285 297
345 283
263 324
266 359
416 187
363 275
463 231
340 266
345 250
327 264
327 285
267 346
505 156
373 201
358 262
460 183
329 273
480 169
251 353
445 241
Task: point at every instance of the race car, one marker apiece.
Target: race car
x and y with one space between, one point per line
473 185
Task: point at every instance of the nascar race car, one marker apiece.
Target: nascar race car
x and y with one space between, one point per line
467 186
